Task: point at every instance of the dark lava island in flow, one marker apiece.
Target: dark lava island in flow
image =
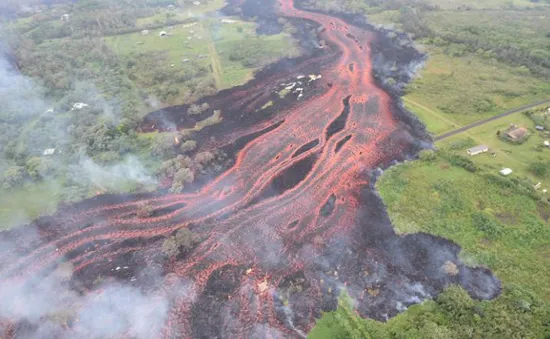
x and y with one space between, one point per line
278 235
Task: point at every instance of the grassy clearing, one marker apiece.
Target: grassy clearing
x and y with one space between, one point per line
165 15
240 35
495 224
516 157
208 45
450 94
486 4
18 207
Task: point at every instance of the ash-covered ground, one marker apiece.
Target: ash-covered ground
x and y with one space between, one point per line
275 237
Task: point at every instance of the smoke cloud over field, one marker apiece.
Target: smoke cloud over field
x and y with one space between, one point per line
129 170
46 305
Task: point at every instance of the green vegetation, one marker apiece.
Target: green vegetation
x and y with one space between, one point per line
183 241
449 94
109 56
504 154
499 222
495 220
484 57
453 314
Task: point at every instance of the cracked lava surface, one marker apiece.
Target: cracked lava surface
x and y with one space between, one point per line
282 231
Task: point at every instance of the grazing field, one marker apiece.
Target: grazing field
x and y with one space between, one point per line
23 205
448 93
504 154
165 15
486 4
194 53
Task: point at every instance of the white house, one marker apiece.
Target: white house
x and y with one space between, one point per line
79 105
49 151
163 33
145 32
477 150
506 171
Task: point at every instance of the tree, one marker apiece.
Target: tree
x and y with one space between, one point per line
456 302
194 109
38 168
183 175
144 211
540 169
170 247
185 239
205 106
13 176
204 158
188 146
427 155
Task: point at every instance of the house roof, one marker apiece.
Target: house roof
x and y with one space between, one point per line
506 171
517 133
480 148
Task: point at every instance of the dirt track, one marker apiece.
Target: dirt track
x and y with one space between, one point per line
484 121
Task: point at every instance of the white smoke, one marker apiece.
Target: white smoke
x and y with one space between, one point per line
129 170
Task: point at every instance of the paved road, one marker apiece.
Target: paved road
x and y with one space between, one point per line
481 122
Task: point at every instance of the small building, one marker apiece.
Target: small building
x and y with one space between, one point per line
196 3
49 110
539 128
79 105
228 21
477 150
163 33
516 133
538 185
506 171
171 7
65 17
546 143
145 32
49 151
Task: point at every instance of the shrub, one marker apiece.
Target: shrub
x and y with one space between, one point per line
539 169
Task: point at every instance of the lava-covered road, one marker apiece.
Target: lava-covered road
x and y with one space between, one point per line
281 232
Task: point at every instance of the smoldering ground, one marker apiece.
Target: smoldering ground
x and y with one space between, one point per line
384 273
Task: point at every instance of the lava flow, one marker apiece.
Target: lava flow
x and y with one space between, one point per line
286 228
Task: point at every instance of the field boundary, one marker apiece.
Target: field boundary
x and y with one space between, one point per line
493 118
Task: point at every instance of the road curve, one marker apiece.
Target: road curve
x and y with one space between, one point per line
484 121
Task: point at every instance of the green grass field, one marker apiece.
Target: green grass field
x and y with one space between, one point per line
496 225
448 93
516 157
207 44
187 12
485 4
18 207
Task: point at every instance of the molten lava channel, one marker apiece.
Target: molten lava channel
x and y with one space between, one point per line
294 209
